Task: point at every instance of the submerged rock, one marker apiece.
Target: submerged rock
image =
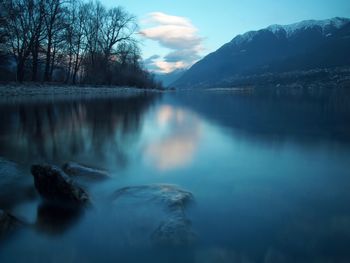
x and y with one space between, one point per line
75 169
54 185
165 206
170 195
175 231
8 223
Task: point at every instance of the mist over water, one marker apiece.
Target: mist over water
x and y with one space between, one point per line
269 172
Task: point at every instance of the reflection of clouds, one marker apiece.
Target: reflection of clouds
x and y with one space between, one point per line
164 115
172 152
178 146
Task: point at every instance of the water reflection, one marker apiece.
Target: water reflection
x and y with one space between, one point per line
55 219
14 185
303 115
269 173
177 147
61 131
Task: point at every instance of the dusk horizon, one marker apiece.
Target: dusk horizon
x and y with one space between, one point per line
174 131
231 18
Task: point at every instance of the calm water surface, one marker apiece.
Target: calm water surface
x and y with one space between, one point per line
270 173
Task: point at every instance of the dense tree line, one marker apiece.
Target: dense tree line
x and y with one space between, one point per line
70 41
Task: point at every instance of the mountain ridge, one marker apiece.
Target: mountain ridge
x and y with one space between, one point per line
167 78
305 45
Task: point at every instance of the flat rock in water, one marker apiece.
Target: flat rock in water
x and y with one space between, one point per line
8 223
159 210
75 169
54 185
171 196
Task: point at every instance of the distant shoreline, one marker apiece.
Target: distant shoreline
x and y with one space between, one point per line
14 92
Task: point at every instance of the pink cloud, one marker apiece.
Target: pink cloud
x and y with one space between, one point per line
177 34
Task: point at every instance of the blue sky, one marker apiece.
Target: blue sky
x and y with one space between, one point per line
208 24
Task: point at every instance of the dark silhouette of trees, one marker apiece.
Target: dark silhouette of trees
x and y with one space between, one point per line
72 42
3 38
22 27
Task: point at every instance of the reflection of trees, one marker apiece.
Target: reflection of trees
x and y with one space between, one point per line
72 129
279 115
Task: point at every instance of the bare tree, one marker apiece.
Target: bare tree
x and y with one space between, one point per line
70 41
94 13
78 38
22 28
38 38
3 22
53 22
118 27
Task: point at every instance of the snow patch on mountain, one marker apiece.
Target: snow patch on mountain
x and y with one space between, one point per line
247 37
325 26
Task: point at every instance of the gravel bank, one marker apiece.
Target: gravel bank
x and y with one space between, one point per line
13 93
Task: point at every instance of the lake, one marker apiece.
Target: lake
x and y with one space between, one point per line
269 171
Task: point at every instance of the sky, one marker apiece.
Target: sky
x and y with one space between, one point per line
174 34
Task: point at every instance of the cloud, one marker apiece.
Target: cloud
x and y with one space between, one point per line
175 33
150 62
165 64
152 58
180 55
165 19
156 63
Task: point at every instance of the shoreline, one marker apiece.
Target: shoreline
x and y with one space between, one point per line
29 92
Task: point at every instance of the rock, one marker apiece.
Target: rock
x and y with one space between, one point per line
172 196
175 231
54 185
8 223
75 169
161 210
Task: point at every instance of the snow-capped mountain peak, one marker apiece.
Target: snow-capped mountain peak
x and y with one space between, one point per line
325 26
270 52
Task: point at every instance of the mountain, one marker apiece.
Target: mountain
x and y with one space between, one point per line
171 77
272 51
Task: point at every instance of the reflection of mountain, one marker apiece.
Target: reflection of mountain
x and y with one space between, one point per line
60 131
278 115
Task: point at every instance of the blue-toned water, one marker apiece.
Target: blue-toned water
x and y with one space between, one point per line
269 172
